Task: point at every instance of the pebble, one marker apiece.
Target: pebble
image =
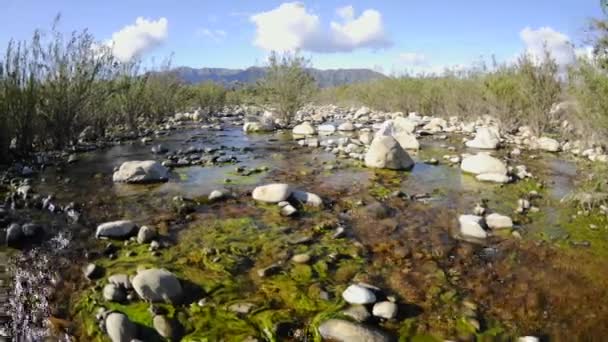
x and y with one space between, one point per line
301 258
387 310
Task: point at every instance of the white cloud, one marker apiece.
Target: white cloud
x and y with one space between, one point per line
413 58
215 35
346 12
136 39
292 27
556 43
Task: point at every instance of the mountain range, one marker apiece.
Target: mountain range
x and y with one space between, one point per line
235 77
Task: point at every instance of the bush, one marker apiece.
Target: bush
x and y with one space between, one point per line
287 85
210 97
589 87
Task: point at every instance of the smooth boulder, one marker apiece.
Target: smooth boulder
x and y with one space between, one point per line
357 294
119 328
271 193
146 171
304 129
345 331
483 163
386 153
115 230
157 285
407 141
346 127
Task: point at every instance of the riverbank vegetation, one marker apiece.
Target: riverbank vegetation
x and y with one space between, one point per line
54 86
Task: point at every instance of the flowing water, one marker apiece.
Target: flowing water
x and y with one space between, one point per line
528 286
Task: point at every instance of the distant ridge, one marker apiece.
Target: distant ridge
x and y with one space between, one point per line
324 78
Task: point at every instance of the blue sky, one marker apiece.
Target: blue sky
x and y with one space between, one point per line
388 35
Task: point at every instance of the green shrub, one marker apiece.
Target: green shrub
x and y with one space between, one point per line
287 86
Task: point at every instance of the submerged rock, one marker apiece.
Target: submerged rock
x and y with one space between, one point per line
157 285
386 153
344 331
255 126
271 193
357 294
120 328
147 171
115 230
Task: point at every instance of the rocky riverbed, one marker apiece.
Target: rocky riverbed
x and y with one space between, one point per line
353 225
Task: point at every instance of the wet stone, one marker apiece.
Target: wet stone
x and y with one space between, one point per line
92 271
114 293
357 312
387 310
344 331
164 326
357 294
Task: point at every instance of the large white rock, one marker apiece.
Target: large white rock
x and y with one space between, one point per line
157 285
271 193
345 331
497 221
471 226
357 294
483 163
407 141
404 125
146 171
386 153
115 229
485 138
304 128
346 127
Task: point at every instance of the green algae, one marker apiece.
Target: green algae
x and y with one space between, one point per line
220 257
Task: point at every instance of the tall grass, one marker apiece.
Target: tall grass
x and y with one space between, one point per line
515 94
55 85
